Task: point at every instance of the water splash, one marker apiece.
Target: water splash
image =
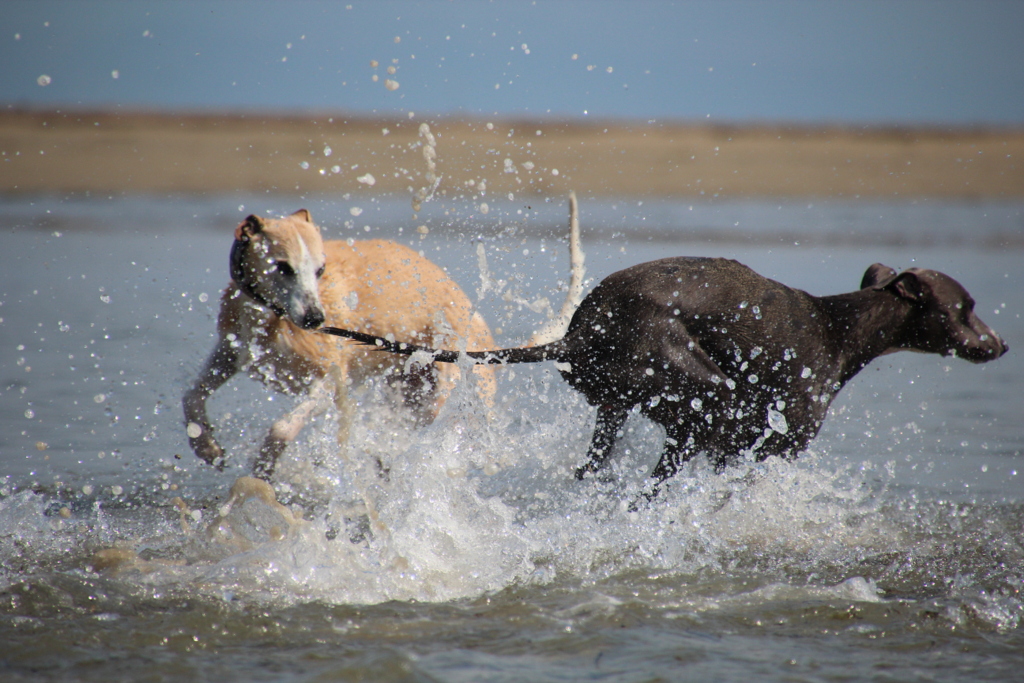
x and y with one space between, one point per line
483 501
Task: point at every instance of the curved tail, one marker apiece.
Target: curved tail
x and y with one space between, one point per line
546 344
527 354
556 328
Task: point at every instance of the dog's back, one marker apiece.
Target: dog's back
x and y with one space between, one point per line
386 287
678 323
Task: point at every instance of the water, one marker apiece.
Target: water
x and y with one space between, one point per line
893 550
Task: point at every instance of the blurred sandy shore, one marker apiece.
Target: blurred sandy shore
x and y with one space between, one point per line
114 153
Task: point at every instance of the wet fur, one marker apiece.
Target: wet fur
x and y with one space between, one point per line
269 314
730 362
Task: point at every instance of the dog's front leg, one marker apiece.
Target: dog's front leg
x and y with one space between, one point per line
676 452
338 383
606 432
221 365
288 427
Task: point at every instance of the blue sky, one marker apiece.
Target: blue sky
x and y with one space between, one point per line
871 62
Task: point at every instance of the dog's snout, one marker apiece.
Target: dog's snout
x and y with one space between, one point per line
313 319
987 347
997 345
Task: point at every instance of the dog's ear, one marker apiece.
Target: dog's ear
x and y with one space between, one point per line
907 285
252 225
876 275
303 214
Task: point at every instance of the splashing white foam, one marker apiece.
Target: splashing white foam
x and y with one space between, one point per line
483 500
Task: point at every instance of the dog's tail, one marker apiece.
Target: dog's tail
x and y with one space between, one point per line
553 351
556 328
547 344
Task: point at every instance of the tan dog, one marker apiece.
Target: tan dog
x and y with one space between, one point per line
286 282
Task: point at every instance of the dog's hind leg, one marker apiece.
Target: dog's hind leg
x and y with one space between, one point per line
606 432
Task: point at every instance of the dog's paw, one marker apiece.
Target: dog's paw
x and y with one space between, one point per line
205 446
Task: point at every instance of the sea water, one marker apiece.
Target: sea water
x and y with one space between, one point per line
892 550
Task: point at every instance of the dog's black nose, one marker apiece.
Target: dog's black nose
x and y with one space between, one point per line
313 319
999 349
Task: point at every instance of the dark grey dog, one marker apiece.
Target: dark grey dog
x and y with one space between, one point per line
730 362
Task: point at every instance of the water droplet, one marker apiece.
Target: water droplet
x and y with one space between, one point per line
777 421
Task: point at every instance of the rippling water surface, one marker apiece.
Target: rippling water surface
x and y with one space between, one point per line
893 550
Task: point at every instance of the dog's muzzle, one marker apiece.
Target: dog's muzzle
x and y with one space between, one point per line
313 319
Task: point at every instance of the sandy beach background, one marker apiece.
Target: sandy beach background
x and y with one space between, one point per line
119 153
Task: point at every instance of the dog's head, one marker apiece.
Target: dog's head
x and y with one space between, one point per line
278 263
942 320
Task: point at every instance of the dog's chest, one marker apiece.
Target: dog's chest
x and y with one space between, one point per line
771 371
278 354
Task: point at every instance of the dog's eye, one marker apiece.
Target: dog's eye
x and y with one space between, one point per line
320 271
284 268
